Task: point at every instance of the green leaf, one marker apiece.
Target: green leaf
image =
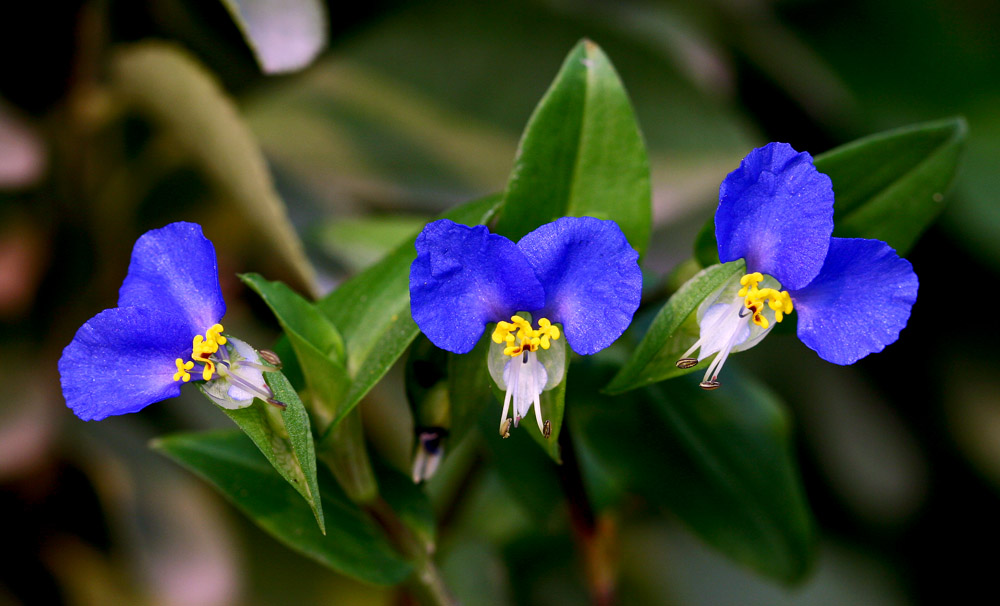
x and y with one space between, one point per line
408 500
169 85
721 461
891 186
553 409
359 242
352 545
706 249
581 154
285 438
318 345
470 390
372 309
671 333
284 35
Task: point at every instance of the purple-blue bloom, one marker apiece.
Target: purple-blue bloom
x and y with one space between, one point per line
165 328
775 212
577 272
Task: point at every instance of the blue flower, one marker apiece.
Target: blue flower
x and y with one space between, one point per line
852 295
165 328
577 272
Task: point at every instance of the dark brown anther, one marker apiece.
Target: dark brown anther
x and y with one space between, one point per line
685 363
274 402
505 428
547 429
270 357
710 385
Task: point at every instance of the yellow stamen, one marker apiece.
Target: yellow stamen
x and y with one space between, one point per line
519 336
182 373
201 348
754 298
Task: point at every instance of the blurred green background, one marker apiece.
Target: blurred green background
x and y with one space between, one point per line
411 108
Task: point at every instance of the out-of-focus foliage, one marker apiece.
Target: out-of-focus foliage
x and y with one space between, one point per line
117 117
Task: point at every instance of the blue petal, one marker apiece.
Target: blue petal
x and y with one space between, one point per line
859 301
591 277
174 270
122 360
465 277
776 211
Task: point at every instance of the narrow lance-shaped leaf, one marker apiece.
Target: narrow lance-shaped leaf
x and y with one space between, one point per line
284 35
352 545
891 186
372 309
721 461
285 438
581 154
673 331
316 341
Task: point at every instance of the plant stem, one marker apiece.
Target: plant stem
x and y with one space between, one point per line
425 583
595 536
343 450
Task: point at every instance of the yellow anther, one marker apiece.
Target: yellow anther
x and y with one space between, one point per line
201 348
519 336
755 298
182 373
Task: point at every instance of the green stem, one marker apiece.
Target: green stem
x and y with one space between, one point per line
425 584
595 536
344 452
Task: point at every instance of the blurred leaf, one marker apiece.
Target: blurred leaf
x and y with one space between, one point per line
173 89
285 438
553 408
721 460
372 309
470 389
706 249
408 500
284 35
581 154
891 185
359 242
666 340
352 545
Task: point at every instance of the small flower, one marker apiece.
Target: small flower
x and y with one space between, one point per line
577 272
165 331
852 295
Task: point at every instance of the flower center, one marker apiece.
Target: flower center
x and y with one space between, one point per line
733 324
201 348
520 337
754 298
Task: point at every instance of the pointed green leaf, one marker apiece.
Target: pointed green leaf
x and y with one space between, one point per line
720 460
318 345
673 331
284 35
353 545
891 186
581 154
372 309
285 438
